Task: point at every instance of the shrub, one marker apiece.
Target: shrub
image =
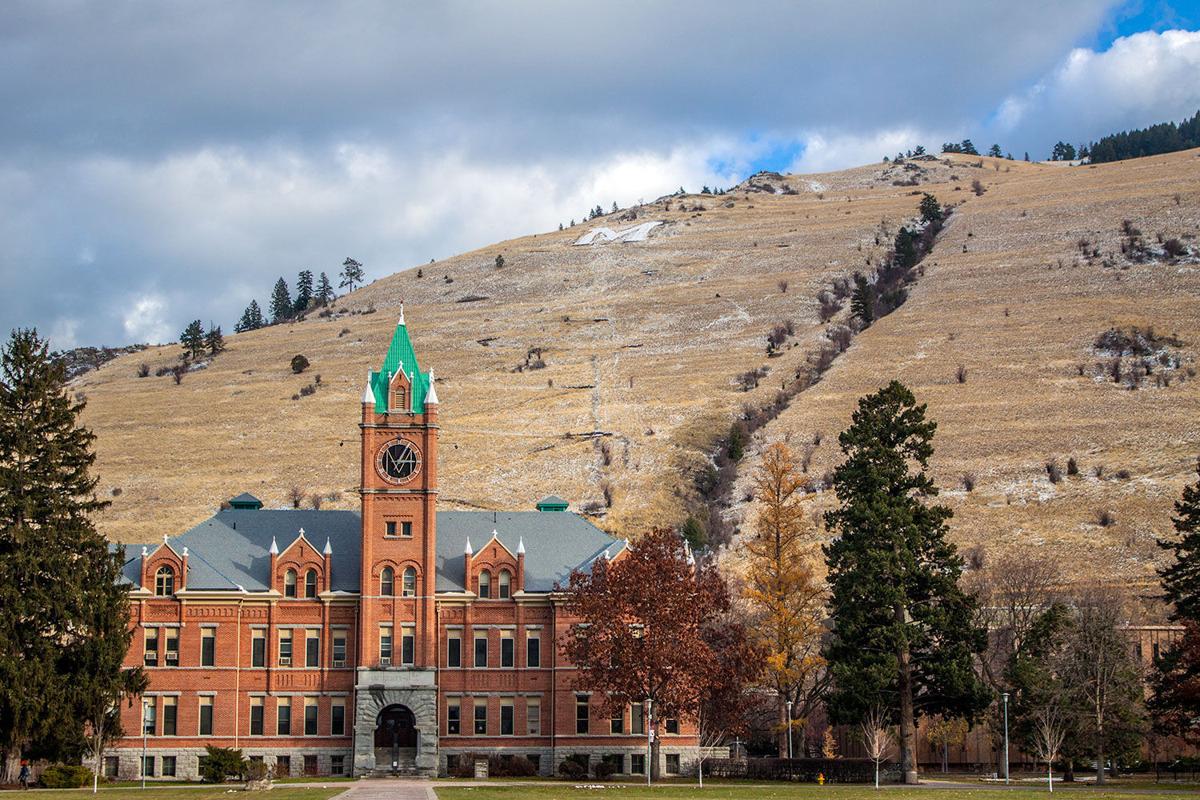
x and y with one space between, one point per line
977 187
514 767
1098 471
65 776
299 364
961 374
177 372
1123 474
143 371
783 286
257 772
1053 472
572 769
604 770
1174 248
1072 466
1105 519
968 481
219 763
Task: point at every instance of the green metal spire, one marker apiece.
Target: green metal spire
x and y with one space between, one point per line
400 356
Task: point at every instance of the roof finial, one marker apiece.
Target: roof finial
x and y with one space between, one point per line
302 531
185 554
431 397
368 393
328 547
521 546
145 551
468 551
274 547
165 539
400 322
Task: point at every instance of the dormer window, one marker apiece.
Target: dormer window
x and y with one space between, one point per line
387 580
504 585
485 584
164 582
289 583
310 583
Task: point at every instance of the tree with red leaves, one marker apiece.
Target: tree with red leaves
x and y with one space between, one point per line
653 625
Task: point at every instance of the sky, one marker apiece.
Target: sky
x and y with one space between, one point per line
167 161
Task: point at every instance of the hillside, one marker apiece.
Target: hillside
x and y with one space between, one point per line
643 341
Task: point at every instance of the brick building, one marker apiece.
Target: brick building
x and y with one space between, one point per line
393 638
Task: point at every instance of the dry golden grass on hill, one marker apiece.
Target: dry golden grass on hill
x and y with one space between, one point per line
643 341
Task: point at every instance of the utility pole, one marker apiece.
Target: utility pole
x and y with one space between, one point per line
1005 696
649 739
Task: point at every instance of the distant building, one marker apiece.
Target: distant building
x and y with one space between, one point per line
396 638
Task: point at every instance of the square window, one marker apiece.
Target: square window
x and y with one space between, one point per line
672 763
148 766
310 765
283 766
673 726
616 725
337 765
637 764
112 766
168 766
389 528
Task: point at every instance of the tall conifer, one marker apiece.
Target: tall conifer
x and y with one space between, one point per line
905 639
281 302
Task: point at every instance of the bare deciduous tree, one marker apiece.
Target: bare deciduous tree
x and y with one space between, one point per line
1049 731
877 739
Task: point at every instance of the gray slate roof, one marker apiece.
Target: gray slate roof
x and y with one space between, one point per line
230 549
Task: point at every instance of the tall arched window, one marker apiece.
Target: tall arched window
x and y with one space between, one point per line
387 580
310 583
504 584
289 583
410 582
485 584
164 582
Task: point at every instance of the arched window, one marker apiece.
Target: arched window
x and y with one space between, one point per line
289 583
504 584
387 580
310 583
410 582
164 582
485 584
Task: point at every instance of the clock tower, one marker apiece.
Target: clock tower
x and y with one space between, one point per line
397 628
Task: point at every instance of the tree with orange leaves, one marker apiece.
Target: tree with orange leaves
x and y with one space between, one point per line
784 590
653 625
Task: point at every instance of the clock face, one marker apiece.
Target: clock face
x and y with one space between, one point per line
398 461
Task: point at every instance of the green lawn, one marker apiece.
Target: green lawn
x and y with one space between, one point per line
574 791
160 793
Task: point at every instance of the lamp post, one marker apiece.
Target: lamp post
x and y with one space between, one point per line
1005 696
649 739
789 727
145 708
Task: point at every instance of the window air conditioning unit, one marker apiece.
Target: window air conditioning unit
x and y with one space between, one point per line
151 659
385 661
339 662
172 655
285 661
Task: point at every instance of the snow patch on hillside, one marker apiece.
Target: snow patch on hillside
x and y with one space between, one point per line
637 233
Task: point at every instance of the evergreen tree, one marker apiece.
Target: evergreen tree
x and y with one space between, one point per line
499 262
281 302
693 533
1026 155
352 273
905 638
192 340
64 617
252 319
919 151
862 301
968 148
1175 683
304 291
995 152
931 209
324 295
214 340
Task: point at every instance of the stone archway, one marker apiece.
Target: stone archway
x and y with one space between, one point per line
395 722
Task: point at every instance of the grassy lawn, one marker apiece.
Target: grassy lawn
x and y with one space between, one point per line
571 791
159 793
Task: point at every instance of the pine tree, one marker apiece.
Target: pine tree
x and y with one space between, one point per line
1026 155
968 148
324 295
931 209
304 291
281 302
1181 578
192 340
352 273
214 340
63 615
252 319
995 152
903 628
500 262
862 301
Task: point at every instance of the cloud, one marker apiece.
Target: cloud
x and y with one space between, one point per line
160 163
1140 80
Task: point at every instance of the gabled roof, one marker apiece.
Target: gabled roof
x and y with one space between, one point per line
400 355
245 500
231 548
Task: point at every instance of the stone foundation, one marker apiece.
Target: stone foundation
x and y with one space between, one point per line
187 760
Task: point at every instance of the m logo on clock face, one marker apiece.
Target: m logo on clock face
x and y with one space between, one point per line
398 461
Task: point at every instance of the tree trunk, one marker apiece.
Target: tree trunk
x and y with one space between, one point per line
1069 771
908 734
784 724
1100 771
655 772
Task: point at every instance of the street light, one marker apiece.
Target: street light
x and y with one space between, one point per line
649 738
145 712
1005 696
789 727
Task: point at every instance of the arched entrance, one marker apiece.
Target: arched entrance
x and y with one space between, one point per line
396 738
